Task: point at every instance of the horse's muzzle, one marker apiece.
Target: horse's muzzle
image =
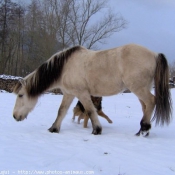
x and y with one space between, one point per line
18 119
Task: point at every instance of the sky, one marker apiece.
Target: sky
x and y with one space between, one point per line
151 23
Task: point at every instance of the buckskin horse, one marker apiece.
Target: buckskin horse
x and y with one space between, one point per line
83 73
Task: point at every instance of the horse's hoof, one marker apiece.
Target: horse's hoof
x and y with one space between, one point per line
145 134
54 130
144 130
137 134
97 130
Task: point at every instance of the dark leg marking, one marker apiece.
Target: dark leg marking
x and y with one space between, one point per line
52 130
97 130
138 133
145 127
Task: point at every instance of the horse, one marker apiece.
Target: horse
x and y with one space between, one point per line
82 73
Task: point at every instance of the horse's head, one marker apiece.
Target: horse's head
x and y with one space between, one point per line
24 104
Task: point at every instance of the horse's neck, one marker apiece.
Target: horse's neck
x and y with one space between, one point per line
56 85
37 89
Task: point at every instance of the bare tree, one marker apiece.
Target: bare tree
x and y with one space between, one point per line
56 20
81 22
172 70
30 34
41 40
91 22
8 15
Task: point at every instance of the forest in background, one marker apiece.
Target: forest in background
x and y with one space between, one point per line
31 33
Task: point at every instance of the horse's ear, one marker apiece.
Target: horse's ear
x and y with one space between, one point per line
22 81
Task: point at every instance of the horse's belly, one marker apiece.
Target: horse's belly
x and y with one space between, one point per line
106 88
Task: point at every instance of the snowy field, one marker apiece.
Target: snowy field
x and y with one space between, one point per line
28 148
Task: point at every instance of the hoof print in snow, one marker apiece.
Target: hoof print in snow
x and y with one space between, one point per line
85 140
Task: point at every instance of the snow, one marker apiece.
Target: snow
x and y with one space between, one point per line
28 148
9 77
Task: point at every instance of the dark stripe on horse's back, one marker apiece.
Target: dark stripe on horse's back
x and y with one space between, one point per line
49 72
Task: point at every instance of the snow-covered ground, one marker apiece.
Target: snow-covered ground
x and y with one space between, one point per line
9 77
28 148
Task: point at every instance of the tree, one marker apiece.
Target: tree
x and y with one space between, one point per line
172 70
10 36
79 22
88 27
30 34
19 38
6 22
40 33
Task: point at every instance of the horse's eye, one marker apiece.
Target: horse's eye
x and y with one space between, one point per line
20 95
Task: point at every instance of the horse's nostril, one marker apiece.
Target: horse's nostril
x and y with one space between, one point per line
14 117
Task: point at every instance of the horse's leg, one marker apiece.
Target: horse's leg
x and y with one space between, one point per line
101 113
85 99
66 102
147 101
143 110
143 106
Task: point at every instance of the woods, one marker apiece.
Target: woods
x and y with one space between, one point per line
31 33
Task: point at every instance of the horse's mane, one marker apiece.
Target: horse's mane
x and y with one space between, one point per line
45 75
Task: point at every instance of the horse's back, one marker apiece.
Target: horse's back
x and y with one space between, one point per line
109 72
126 67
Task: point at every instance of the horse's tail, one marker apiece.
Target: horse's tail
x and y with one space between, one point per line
163 103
